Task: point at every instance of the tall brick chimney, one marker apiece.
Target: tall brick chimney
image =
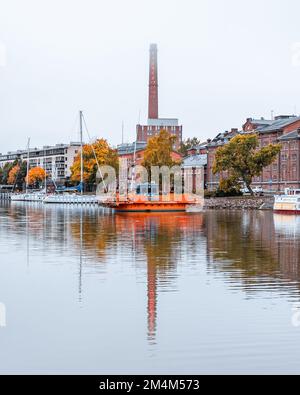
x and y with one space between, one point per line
153 84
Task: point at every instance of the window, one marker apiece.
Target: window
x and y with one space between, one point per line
283 175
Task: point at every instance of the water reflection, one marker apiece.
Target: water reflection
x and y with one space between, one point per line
255 253
95 235
158 240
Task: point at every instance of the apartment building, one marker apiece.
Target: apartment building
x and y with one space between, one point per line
56 160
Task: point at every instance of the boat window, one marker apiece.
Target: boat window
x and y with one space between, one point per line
154 190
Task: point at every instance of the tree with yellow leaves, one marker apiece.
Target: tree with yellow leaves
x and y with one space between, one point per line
106 156
159 151
35 176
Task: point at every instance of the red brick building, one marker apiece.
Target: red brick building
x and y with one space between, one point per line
209 149
284 172
156 124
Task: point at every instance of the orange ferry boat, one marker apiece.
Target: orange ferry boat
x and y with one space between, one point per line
146 198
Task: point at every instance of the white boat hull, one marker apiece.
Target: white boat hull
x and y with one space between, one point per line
28 197
288 203
71 199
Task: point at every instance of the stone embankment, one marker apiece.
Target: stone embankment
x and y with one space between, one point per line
240 203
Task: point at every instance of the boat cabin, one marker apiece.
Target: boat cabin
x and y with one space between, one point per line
147 189
292 192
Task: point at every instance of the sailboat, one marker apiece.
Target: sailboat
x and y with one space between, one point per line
28 196
74 197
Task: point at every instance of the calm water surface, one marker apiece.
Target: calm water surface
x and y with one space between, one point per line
87 291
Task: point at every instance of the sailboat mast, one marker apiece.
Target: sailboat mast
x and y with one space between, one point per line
45 169
28 154
81 153
134 164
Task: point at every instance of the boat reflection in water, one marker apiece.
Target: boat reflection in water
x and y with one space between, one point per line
287 224
152 239
157 240
206 292
254 251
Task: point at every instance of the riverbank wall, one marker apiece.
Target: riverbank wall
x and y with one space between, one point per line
240 203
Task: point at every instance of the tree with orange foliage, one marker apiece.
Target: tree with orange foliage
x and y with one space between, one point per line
105 156
13 174
36 175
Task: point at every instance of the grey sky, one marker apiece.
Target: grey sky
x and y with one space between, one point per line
219 62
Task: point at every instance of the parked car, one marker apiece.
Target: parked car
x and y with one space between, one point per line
257 191
245 191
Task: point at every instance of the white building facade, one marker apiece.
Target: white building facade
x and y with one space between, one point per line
56 160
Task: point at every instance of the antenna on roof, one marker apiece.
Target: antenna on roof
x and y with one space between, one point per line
122 132
272 115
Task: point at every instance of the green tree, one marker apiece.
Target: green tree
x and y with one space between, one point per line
229 186
243 160
21 176
188 144
5 172
1 175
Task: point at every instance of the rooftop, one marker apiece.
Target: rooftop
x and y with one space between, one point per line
163 122
195 161
127 149
44 148
279 123
295 134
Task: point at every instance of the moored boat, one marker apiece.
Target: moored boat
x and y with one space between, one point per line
288 203
28 197
71 199
146 198
74 195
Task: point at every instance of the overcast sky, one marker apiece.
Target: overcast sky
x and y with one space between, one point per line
219 63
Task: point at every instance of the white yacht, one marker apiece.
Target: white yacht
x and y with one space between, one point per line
28 197
289 202
75 194
37 196
67 198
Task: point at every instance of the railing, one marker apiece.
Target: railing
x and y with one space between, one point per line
5 195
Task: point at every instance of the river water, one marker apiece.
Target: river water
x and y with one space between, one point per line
86 291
